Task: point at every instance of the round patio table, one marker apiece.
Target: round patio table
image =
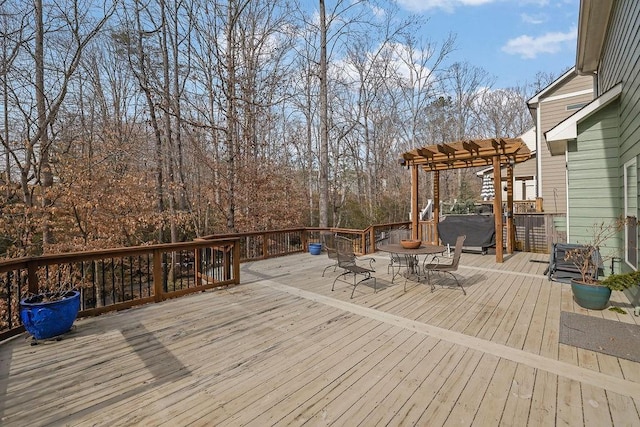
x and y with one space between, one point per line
423 249
411 255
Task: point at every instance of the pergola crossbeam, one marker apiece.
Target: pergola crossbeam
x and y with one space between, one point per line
471 147
497 152
446 149
425 152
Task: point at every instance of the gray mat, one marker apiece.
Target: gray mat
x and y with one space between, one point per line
611 337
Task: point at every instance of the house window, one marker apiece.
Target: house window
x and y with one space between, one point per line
631 213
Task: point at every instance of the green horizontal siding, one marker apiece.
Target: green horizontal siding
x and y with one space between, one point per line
586 180
595 180
600 203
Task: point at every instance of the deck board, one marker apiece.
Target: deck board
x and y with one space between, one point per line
469 400
283 349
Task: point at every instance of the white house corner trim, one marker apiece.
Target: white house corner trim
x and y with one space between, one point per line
539 136
566 183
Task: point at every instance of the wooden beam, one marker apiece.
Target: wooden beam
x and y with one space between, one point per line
511 240
499 145
471 147
497 208
410 156
425 152
446 149
415 210
436 207
158 288
463 158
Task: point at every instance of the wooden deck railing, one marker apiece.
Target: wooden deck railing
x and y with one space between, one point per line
116 279
259 245
120 278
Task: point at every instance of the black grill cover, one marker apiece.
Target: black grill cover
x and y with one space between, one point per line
479 229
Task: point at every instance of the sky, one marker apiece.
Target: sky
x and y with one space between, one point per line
511 39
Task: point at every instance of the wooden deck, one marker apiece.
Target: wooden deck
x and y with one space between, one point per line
282 349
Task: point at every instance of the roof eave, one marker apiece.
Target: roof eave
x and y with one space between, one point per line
593 22
533 102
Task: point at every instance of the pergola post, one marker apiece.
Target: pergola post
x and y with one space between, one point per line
415 210
436 207
510 228
497 208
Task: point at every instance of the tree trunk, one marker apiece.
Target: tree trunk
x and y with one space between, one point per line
46 177
231 119
323 196
143 80
168 130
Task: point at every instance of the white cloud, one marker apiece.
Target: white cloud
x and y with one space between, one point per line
446 5
533 19
530 47
377 11
450 5
405 63
536 2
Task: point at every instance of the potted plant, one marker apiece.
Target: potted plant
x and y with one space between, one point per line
49 314
589 291
621 281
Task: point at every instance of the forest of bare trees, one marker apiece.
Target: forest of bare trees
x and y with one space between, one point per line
133 121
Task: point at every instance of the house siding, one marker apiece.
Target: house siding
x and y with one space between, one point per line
555 111
527 168
552 112
576 83
621 63
594 178
553 190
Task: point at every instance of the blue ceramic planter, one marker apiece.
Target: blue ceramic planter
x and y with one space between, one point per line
593 297
315 248
49 319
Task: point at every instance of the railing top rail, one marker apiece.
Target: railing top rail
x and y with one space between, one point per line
255 233
391 224
205 241
24 262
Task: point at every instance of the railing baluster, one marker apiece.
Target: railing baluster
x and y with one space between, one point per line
9 299
149 259
94 290
103 284
139 270
131 278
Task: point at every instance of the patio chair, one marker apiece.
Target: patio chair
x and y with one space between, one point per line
563 270
398 262
444 265
401 262
329 243
347 262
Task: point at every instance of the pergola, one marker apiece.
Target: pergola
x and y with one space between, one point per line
495 152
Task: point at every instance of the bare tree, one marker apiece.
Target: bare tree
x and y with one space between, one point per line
502 113
55 57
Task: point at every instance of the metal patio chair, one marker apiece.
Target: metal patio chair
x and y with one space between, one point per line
444 265
329 244
347 262
398 262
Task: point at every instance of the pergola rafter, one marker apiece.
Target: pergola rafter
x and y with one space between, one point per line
495 152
